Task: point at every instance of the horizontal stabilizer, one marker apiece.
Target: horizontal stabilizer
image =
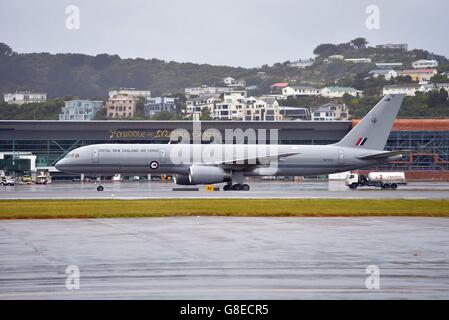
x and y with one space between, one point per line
384 155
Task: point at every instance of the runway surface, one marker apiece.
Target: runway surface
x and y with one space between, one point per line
269 189
223 258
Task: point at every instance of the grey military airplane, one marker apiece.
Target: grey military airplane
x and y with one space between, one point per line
197 164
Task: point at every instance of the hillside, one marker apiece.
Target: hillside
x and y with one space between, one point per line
63 76
86 76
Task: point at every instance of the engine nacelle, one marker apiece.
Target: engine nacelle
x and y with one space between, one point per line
182 180
207 174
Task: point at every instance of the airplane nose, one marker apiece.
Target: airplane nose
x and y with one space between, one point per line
60 165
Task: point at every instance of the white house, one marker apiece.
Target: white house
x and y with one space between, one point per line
22 97
231 82
339 92
434 87
400 46
300 91
407 89
206 90
425 64
389 65
336 57
331 112
130 92
387 74
302 64
359 60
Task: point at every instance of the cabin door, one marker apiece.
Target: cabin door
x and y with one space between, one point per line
95 156
341 156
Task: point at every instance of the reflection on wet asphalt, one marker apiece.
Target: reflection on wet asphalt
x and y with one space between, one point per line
223 258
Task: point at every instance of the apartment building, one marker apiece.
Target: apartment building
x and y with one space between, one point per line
80 110
132 92
153 106
121 106
331 112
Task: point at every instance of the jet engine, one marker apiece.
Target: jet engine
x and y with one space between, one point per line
207 174
182 180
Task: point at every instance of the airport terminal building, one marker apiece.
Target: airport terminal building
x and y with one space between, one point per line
49 141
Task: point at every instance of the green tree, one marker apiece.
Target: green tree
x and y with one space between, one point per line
5 50
205 114
359 43
326 49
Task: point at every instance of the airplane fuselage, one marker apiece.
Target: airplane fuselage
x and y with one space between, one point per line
178 159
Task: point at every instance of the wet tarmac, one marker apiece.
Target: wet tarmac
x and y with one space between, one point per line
268 189
224 258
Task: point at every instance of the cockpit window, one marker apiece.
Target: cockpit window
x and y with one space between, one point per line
72 155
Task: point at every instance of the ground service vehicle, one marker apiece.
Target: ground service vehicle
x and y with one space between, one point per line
41 180
384 180
7 181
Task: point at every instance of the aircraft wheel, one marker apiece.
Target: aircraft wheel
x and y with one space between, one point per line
100 188
245 187
227 187
237 187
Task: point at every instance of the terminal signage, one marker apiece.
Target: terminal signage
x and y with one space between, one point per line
138 134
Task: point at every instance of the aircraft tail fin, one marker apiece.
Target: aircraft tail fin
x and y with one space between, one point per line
373 130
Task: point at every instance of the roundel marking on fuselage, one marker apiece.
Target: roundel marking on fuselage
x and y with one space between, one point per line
154 165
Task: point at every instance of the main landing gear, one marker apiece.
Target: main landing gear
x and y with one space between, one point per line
236 187
100 188
236 176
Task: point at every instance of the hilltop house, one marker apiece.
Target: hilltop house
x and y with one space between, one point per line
389 65
359 60
22 97
302 64
425 64
409 89
206 90
339 92
294 91
420 75
130 92
387 74
231 82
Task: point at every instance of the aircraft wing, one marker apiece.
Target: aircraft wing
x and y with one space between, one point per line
257 160
384 155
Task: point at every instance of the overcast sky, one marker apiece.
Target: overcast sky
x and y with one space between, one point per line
229 32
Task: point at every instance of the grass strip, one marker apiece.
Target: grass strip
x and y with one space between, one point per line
54 209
